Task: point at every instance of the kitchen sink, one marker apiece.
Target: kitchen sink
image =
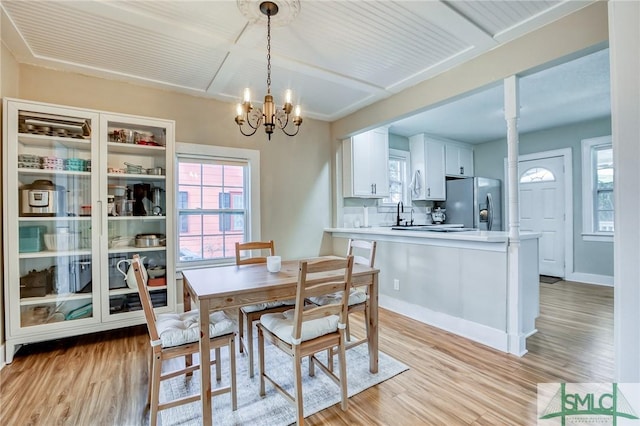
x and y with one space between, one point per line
431 227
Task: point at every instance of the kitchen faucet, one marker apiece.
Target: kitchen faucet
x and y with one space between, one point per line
400 209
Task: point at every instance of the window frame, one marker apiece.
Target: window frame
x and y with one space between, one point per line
406 157
251 158
589 189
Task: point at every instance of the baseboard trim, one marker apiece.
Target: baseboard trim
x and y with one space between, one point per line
488 336
604 280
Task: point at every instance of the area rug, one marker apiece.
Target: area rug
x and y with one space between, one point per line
549 279
319 392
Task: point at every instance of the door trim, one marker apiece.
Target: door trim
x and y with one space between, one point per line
566 155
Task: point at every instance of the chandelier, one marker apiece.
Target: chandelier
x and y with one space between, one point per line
270 115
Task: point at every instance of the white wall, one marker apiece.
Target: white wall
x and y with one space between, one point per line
624 25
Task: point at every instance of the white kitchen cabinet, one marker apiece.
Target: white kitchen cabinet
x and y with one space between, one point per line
427 168
60 167
365 167
459 159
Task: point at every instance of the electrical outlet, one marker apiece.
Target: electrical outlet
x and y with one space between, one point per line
396 284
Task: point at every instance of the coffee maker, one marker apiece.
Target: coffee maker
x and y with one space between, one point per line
141 202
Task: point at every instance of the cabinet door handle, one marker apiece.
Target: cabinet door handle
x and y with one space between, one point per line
461 170
375 188
428 192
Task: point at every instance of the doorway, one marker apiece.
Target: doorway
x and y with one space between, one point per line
545 207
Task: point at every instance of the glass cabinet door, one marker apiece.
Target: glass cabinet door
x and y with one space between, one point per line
52 200
137 214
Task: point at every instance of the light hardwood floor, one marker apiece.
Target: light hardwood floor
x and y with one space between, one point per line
101 379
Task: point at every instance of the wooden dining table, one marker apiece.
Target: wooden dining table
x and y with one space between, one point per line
225 287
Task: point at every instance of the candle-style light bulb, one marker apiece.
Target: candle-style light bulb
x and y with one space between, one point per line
247 95
287 96
239 110
297 111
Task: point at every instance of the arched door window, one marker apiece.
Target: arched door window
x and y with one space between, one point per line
537 174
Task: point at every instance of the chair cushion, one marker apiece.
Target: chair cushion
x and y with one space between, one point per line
266 305
179 329
356 296
281 324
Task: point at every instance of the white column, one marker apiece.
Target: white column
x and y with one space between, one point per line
624 42
511 114
515 306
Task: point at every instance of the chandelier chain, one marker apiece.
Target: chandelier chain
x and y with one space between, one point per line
272 116
269 53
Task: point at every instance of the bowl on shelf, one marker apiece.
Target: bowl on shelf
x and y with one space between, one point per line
117 190
62 241
156 271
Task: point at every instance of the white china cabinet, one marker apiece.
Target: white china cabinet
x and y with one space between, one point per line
83 191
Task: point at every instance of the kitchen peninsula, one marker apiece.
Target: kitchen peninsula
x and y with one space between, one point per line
457 281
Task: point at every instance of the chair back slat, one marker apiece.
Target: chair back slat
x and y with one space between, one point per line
145 298
318 278
364 252
254 245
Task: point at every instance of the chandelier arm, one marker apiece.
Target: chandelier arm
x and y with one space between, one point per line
255 129
278 116
290 134
256 116
257 126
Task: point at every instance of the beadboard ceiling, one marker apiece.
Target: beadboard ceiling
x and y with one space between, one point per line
337 56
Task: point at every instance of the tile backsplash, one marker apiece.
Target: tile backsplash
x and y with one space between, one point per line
374 215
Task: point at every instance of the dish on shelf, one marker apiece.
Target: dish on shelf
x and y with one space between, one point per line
150 240
54 125
117 190
121 242
156 271
62 241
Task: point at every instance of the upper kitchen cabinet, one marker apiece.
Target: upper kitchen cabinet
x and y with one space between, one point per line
459 159
427 168
365 164
83 191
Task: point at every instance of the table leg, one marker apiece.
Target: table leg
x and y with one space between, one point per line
186 305
205 363
373 325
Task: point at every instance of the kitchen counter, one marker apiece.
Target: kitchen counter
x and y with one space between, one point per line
424 236
476 284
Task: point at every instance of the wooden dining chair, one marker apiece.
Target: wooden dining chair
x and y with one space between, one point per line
364 253
251 313
302 332
177 334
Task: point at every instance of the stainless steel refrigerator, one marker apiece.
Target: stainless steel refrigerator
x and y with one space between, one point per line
474 202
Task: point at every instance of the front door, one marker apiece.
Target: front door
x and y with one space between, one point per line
542 209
